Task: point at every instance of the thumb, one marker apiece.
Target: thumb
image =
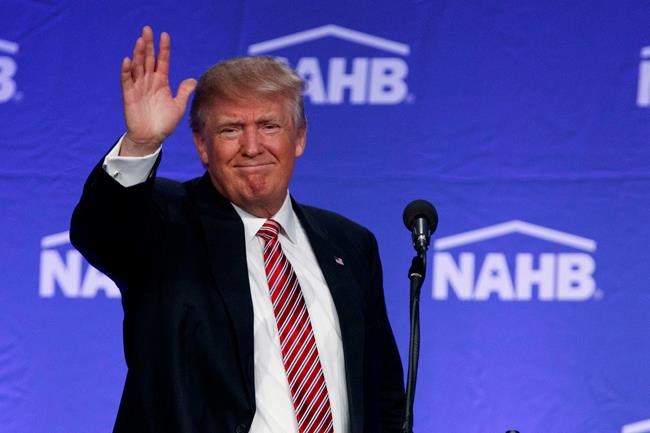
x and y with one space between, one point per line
185 89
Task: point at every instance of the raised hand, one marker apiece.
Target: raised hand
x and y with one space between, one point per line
150 109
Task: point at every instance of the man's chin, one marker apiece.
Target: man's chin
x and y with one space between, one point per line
260 200
255 194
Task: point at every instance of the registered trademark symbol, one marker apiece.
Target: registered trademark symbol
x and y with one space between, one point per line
598 295
18 96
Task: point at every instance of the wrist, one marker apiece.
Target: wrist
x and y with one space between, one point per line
131 147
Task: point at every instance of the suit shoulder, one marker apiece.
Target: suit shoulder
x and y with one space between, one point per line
172 197
173 190
169 188
337 224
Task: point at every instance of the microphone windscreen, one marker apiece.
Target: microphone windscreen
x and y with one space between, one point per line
420 208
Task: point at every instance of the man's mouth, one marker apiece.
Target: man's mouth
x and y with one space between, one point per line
254 167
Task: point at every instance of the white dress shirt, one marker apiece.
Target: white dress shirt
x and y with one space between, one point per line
275 412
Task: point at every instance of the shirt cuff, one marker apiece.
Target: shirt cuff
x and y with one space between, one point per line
129 170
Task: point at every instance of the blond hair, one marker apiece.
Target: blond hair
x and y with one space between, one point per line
241 78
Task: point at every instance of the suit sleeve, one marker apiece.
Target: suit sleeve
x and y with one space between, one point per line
390 372
115 227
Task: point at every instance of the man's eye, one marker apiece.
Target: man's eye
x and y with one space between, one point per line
271 127
228 132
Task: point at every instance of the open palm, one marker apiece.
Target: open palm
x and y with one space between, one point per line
150 109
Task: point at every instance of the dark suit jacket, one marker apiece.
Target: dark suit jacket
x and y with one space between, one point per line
177 253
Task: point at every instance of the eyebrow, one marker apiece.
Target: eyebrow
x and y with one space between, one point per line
269 118
260 121
228 123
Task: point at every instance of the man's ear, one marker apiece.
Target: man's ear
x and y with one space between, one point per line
301 140
201 147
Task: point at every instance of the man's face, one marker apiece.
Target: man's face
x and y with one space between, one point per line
249 148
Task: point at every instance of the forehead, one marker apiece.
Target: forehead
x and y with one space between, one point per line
249 109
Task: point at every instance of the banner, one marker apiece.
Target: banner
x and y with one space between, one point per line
525 123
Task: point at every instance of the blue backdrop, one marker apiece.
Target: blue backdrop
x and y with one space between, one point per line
524 122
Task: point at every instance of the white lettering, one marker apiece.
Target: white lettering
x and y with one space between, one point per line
447 274
7 83
494 278
526 277
562 277
338 80
575 280
387 80
68 277
54 272
380 81
643 85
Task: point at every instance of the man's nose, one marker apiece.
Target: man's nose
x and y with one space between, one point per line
251 142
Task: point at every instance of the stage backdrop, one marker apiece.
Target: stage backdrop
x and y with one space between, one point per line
525 122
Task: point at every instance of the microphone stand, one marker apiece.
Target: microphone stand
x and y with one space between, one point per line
416 275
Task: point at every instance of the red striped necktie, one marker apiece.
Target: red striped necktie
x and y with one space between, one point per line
297 343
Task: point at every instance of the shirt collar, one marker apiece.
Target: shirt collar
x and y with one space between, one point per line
285 216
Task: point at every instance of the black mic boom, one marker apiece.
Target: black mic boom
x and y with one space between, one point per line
421 218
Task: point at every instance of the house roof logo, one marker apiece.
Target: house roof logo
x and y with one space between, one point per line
329 30
339 79
516 227
637 427
55 240
515 275
8 47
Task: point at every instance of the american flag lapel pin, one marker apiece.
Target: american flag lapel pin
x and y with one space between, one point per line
339 261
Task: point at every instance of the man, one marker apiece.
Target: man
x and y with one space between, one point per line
243 310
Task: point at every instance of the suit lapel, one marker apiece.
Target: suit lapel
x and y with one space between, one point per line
347 297
224 235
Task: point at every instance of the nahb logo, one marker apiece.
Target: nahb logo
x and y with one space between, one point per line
65 273
476 266
637 427
8 70
339 78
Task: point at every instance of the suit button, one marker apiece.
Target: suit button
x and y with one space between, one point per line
241 428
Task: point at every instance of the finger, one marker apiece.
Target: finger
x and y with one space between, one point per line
137 66
185 89
162 64
125 75
149 59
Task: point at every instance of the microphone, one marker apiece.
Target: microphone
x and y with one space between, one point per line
421 218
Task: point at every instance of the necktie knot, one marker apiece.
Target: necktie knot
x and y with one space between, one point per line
269 230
